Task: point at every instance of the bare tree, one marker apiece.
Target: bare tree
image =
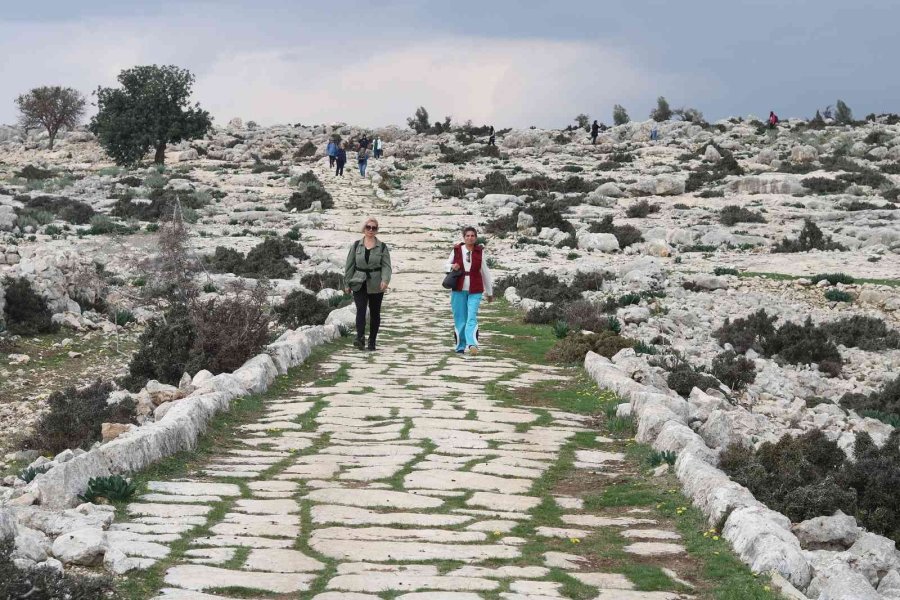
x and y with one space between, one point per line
52 107
174 265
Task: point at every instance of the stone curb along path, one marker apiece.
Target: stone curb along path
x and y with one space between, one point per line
761 537
179 429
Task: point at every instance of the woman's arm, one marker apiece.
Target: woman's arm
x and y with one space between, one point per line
350 266
449 266
386 269
486 276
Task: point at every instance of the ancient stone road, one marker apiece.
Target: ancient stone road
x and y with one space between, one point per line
397 476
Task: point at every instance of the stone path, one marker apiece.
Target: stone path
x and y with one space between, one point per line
403 477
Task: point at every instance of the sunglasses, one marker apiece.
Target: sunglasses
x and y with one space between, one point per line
372 227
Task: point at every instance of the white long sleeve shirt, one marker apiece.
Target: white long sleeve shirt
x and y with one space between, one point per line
486 277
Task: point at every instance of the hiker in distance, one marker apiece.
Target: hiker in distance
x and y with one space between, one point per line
332 151
367 274
362 157
595 131
476 281
377 147
341 160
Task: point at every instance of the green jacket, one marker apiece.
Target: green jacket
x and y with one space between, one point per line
379 262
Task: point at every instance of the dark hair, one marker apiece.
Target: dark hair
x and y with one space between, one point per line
468 229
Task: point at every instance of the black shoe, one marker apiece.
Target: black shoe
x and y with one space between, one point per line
358 342
370 348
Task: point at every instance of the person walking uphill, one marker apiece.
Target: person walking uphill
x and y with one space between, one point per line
476 282
595 131
341 159
332 151
368 274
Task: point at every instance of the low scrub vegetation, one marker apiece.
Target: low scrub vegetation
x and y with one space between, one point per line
791 343
810 238
309 189
26 312
60 207
733 214
626 235
75 416
574 347
809 476
641 209
300 308
880 404
267 260
44 583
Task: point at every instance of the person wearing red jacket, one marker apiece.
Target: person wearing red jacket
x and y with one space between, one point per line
476 282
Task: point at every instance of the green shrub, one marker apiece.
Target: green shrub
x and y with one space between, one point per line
620 115
733 214
320 281
275 154
662 112
43 583
684 378
561 329
539 286
886 400
225 260
626 235
804 344
573 348
310 189
711 194
25 312
164 349
753 331
825 185
834 278
810 238
66 209
734 370
835 295
725 271
31 172
264 261
301 308
161 205
75 416
590 281
105 490
544 315
641 209
548 214
585 315
654 459
29 473
865 333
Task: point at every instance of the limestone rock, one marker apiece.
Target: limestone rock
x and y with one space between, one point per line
836 532
804 154
602 242
80 547
110 431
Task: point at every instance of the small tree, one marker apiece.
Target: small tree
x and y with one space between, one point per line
620 115
150 110
583 121
419 122
52 107
174 266
662 112
842 113
691 115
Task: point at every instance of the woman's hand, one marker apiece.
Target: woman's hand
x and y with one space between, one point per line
384 286
455 267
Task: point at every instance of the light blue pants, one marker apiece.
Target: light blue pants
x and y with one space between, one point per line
362 167
465 318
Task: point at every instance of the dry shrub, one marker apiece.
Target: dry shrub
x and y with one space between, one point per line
574 347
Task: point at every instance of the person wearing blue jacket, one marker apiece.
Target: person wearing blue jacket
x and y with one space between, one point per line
332 151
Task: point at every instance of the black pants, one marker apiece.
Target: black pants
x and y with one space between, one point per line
362 298
340 169
331 160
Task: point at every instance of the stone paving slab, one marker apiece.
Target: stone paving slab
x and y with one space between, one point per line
201 577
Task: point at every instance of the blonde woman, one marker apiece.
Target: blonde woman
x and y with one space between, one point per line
470 258
367 274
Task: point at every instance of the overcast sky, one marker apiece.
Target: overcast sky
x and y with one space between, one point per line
510 63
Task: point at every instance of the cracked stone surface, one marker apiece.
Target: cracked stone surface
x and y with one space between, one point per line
357 483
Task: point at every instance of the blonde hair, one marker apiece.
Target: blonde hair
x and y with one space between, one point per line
367 221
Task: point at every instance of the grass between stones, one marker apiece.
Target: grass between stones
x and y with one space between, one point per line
222 434
709 565
785 277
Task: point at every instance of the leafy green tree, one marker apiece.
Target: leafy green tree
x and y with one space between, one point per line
662 112
583 121
620 115
419 122
842 113
52 107
150 110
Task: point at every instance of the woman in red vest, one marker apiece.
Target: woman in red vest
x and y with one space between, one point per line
466 298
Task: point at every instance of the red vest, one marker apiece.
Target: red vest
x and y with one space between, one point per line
476 285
